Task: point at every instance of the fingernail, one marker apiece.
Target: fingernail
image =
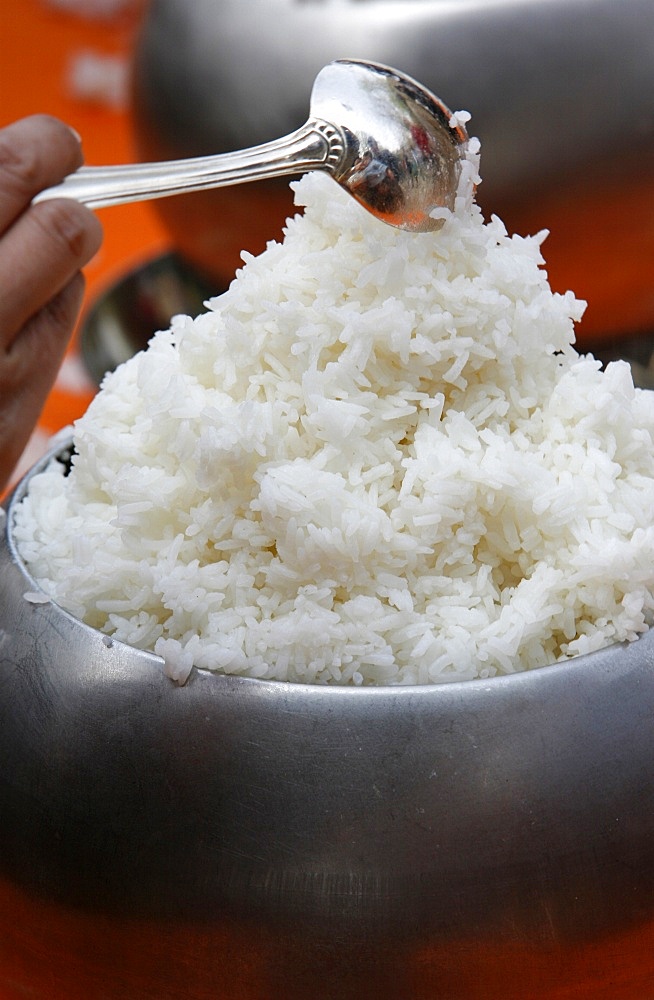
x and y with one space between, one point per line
75 133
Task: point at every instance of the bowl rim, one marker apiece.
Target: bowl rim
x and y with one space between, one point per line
61 448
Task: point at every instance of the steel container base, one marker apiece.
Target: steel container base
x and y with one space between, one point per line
236 838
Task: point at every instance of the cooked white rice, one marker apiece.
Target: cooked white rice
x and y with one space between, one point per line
376 459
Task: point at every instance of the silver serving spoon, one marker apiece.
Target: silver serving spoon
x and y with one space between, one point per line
381 136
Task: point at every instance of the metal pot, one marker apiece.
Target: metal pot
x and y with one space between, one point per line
491 840
561 91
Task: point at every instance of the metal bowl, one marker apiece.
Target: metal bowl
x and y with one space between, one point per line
561 92
488 840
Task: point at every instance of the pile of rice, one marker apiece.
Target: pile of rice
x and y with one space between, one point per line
376 459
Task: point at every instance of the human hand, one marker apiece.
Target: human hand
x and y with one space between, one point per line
42 250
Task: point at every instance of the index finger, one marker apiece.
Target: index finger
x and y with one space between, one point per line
35 153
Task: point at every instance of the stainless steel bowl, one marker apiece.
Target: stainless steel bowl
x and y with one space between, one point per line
561 92
489 840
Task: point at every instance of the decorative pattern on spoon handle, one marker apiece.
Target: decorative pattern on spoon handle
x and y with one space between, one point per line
316 145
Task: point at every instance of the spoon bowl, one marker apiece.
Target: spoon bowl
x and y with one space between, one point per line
381 135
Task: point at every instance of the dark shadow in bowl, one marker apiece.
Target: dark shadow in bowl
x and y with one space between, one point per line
123 319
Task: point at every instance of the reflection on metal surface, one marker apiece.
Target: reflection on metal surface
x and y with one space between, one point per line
401 155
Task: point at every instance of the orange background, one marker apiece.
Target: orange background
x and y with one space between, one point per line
39 44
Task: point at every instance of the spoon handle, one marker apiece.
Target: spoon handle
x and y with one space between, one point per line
316 145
